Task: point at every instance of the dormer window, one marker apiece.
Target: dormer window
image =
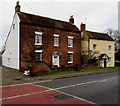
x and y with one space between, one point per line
38 38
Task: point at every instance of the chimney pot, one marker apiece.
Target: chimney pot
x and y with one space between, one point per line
82 27
71 20
17 7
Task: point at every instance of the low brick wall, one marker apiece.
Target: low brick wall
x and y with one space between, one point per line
89 66
60 69
41 67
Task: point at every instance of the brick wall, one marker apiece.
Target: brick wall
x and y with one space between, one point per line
28 46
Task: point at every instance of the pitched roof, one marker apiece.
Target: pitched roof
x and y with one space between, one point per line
48 22
100 36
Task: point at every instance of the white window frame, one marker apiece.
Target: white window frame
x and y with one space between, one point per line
56 36
70 52
38 51
109 48
102 61
38 34
95 49
70 38
109 60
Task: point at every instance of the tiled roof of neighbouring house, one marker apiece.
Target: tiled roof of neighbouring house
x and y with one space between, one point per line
100 36
48 22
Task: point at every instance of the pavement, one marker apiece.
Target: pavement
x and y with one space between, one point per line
12 77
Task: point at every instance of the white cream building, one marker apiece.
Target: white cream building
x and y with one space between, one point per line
97 46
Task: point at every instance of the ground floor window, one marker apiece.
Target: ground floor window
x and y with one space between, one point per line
109 60
70 57
38 55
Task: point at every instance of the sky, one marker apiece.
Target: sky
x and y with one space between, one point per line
98 15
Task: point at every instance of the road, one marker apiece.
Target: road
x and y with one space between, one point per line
99 89
92 89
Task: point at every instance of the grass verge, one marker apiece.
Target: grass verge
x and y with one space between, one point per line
82 70
99 69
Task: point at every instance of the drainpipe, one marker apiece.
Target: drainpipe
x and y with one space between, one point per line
88 48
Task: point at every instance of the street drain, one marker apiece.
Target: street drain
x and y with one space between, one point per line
60 96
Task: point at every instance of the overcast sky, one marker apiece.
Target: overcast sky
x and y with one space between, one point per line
97 14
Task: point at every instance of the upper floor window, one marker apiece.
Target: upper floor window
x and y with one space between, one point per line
109 48
70 57
56 40
38 55
70 41
94 47
38 38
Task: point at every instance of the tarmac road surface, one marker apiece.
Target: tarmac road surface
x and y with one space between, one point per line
99 89
92 89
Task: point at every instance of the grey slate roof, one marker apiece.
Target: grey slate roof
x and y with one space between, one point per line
48 22
100 36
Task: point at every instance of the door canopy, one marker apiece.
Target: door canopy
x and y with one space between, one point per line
103 56
56 53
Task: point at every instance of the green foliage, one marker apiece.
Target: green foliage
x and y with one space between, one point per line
74 71
56 73
99 69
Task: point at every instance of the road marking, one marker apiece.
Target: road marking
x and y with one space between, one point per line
25 94
75 97
26 83
79 84
50 89
56 89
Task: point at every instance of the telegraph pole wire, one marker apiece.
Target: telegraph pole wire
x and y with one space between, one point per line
29 7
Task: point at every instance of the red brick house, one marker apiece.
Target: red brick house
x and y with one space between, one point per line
51 42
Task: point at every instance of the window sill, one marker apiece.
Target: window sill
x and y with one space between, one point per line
56 45
70 46
38 44
70 62
38 60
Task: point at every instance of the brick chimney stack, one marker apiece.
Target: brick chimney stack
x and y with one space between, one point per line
17 7
71 20
82 27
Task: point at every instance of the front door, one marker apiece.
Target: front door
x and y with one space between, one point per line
55 60
105 64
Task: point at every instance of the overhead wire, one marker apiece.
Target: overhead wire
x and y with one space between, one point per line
29 7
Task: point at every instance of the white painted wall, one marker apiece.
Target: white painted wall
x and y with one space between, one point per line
10 57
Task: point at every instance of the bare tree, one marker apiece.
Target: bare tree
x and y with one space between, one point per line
89 55
109 31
